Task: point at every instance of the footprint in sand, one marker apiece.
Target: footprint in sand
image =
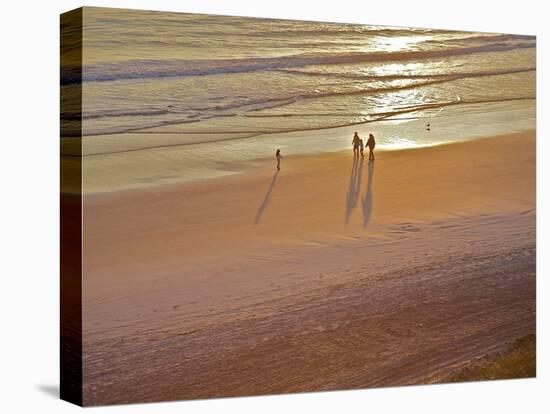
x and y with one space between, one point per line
407 228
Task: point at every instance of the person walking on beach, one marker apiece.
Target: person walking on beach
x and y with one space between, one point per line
279 157
371 143
355 143
361 147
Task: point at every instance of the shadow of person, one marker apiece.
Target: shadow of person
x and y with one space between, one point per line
266 199
354 186
367 200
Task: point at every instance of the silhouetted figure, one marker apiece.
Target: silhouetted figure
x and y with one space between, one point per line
361 147
355 143
279 157
371 143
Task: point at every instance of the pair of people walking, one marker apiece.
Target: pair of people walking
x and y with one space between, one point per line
358 146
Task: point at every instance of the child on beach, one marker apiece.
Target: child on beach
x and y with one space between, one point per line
361 147
279 157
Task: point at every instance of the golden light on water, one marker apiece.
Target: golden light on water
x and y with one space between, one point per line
406 99
398 43
405 68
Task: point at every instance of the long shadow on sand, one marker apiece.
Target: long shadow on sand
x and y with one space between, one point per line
266 199
354 186
367 200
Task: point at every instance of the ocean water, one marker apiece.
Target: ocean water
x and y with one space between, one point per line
169 97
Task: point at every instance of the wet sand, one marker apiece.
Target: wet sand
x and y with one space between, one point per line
333 273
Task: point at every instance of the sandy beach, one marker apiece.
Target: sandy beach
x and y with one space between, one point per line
333 273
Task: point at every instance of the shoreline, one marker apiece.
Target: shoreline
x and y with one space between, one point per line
260 164
179 158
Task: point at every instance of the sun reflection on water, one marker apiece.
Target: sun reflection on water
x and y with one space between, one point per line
398 43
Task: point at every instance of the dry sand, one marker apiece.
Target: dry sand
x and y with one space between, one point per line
331 274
